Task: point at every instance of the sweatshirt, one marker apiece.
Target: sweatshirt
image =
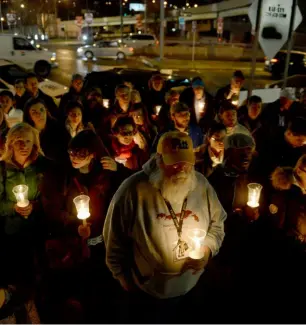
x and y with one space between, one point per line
140 235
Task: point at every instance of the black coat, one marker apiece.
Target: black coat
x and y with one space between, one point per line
187 97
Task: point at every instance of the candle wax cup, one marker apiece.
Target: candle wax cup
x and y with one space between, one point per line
253 204
83 214
196 254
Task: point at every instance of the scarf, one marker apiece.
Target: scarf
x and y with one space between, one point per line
121 151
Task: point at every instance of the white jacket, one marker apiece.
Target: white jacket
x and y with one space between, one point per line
140 235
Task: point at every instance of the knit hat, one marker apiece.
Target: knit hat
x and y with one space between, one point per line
77 76
179 107
176 147
240 140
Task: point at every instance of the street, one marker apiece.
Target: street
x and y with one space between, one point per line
214 73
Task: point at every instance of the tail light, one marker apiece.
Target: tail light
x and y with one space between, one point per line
274 60
131 49
157 43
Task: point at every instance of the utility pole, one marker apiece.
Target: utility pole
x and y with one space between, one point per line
145 16
290 42
1 16
121 21
55 18
255 47
162 30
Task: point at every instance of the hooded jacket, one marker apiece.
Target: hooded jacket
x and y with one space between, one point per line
140 235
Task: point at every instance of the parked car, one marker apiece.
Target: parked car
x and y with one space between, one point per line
140 40
105 49
10 72
276 66
20 51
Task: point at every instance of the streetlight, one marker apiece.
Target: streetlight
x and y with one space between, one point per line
22 6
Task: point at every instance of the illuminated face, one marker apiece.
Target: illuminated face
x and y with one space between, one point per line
177 172
75 116
20 89
6 103
295 141
229 118
216 141
173 99
38 114
181 119
23 146
124 97
254 109
198 92
80 158
237 83
32 86
126 134
77 85
138 117
157 84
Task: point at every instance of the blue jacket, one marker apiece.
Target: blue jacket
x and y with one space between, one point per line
194 132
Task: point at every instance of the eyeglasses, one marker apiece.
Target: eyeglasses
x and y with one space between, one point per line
81 154
127 133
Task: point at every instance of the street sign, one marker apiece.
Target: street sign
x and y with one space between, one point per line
182 23
79 21
194 26
274 23
11 19
220 24
88 18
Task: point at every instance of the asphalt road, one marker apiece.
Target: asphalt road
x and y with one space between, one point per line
214 73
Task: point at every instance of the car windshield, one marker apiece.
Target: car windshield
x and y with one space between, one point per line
10 73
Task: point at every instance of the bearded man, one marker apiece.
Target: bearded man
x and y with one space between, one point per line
147 225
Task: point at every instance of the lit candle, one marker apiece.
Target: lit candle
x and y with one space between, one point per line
197 237
106 103
201 106
235 102
21 194
157 109
254 190
82 205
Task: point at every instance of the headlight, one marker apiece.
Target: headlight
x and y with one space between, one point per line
79 50
42 37
84 37
53 58
36 37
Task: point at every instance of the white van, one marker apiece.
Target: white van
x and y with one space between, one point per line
20 51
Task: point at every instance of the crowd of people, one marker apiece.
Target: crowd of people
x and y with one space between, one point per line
156 164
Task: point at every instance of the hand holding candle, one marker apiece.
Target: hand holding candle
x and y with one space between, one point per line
197 237
82 205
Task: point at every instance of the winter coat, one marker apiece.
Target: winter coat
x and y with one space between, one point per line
32 176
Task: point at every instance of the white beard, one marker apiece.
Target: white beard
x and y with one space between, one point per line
176 188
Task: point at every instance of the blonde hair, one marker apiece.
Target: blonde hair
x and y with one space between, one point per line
17 132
